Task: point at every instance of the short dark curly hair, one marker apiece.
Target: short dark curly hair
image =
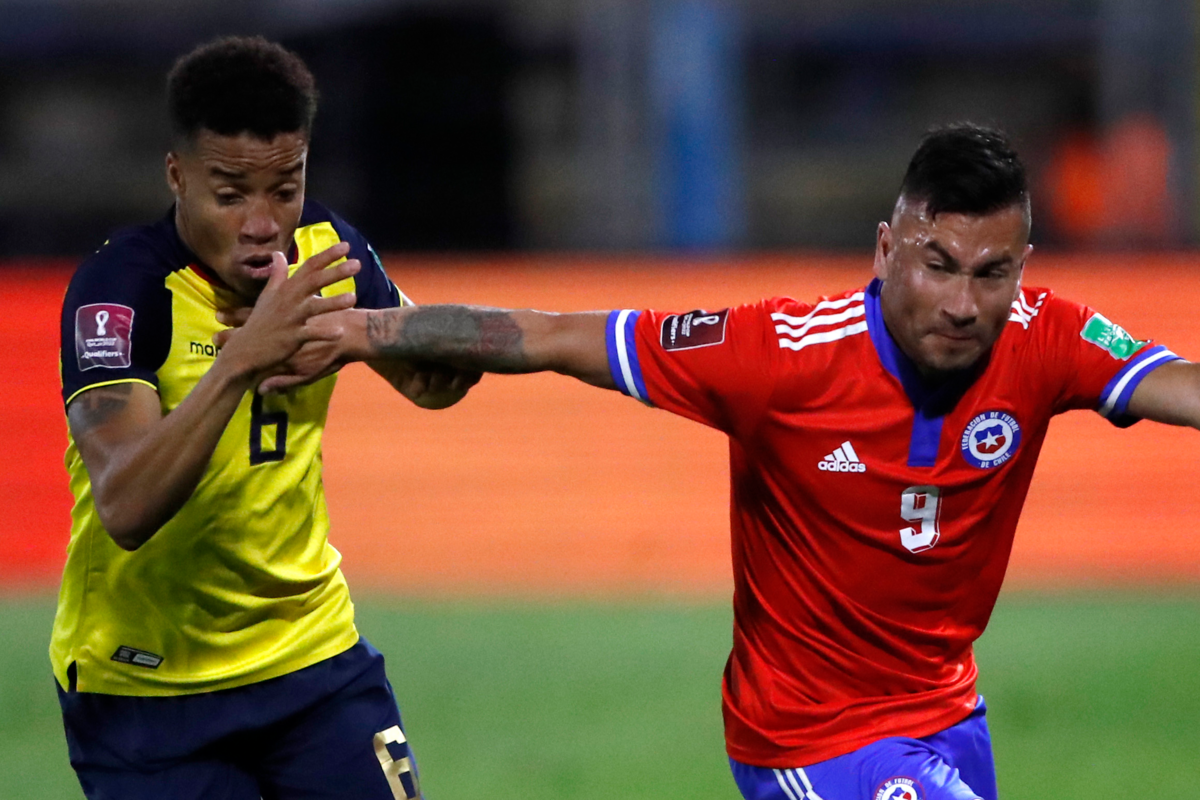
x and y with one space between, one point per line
237 85
965 169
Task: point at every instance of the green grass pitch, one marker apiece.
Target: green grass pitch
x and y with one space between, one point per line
1089 696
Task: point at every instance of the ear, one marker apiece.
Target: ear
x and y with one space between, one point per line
883 249
1021 268
174 174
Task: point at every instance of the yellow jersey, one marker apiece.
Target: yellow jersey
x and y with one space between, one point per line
241 585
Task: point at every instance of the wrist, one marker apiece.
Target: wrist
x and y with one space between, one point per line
233 370
355 344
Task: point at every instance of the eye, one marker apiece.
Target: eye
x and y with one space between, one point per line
228 198
286 195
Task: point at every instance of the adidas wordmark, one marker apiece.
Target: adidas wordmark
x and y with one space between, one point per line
844 459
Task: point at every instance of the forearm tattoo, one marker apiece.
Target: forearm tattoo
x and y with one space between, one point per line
97 406
469 337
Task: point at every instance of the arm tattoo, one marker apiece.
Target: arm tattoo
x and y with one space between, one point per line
97 406
464 336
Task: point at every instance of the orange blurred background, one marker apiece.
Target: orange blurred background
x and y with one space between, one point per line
540 486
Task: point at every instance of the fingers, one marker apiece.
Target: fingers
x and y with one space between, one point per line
282 383
323 259
314 305
221 337
320 332
316 273
279 270
464 380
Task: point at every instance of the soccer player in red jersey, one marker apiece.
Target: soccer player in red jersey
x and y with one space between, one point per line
882 442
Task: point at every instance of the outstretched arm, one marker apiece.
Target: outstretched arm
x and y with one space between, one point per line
472 338
1170 394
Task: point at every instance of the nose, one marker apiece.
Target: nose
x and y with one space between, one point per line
259 225
961 304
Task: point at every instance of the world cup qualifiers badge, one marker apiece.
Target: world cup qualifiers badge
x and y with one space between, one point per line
991 439
899 789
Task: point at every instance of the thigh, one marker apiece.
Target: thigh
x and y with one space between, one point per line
968 746
351 745
890 769
197 779
135 748
767 783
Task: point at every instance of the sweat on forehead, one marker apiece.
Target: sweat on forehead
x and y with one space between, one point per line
914 210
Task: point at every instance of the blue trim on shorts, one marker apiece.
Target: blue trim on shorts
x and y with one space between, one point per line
953 764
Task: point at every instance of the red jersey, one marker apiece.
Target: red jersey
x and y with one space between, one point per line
872 515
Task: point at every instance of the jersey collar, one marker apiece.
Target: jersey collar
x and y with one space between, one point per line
931 401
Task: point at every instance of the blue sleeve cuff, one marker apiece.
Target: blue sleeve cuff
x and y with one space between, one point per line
1114 400
622 354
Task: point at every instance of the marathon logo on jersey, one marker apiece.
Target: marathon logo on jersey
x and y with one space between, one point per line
694 329
899 789
207 349
990 439
1110 337
139 658
102 336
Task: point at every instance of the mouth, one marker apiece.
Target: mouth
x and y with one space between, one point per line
257 267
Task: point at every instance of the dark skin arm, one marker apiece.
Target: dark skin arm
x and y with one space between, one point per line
470 338
144 465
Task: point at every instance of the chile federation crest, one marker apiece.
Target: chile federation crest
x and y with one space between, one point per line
898 789
991 439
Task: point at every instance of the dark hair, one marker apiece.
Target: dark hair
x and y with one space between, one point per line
241 85
965 169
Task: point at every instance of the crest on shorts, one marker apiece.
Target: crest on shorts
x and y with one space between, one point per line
990 439
899 789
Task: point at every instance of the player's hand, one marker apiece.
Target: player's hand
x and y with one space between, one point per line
316 359
287 314
434 386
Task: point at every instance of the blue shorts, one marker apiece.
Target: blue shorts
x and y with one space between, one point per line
954 764
331 730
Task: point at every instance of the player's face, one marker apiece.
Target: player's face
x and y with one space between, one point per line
238 199
949 281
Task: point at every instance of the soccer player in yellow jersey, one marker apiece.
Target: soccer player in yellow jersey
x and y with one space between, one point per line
204 644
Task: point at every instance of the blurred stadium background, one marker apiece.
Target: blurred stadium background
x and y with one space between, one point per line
546 566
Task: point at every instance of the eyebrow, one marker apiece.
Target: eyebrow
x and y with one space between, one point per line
995 262
236 174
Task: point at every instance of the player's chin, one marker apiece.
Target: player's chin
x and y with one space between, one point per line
953 356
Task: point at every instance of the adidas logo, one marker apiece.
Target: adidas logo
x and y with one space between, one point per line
844 459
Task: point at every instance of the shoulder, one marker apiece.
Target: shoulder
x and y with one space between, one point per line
130 268
317 214
831 318
320 228
141 252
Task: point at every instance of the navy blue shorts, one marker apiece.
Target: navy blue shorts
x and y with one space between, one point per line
327 731
954 764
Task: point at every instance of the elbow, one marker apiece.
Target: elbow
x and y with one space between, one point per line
128 529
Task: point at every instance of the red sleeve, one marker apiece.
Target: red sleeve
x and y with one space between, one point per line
716 367
1096 363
